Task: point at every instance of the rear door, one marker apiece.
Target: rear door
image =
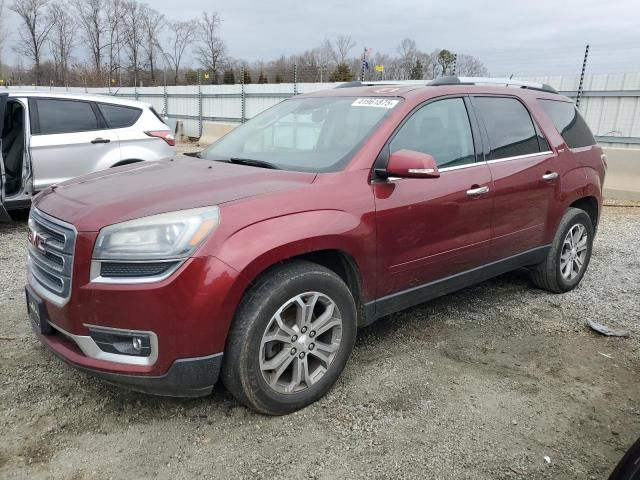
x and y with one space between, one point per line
4 216
524 171
69 138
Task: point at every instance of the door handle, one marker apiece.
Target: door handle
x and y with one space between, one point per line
100 140
550 176
477 191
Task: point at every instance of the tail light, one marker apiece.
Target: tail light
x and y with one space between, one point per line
603 157
166 135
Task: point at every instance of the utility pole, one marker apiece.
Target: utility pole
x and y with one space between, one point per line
581 85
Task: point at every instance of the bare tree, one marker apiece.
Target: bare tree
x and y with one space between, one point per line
34 31
61 39
114 14
3 34
342 45
408 57
93 25
470 66
133 34
153 21
181 35
211 50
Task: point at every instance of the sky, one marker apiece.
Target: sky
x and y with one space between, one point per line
520 37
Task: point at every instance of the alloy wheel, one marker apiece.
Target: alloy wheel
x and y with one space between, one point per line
300 342
574 252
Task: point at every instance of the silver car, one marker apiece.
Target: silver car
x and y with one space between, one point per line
49 137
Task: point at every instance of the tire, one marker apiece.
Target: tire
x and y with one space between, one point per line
254 369
554 274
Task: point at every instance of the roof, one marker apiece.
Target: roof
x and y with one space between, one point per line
423 91
76 96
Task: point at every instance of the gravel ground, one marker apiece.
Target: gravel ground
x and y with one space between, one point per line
482 384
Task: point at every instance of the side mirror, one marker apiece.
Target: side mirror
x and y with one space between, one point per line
412 164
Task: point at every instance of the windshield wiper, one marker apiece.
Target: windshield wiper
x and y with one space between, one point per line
253 163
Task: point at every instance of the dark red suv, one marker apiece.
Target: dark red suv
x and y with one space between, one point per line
258 261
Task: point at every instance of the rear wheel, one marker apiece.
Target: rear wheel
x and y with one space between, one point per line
291 338
570 253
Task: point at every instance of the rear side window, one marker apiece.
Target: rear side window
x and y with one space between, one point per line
65 116
569 123
440 129
118 116
509 127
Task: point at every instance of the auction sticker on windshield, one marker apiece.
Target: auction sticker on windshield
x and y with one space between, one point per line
375 102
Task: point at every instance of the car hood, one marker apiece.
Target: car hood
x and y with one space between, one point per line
147 188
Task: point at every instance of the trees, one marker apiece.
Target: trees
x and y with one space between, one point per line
61 39
211 49
93 25
33 32
342 73
470 66
181 34
417 72
114 14
229 78
152 23
446 59
133 35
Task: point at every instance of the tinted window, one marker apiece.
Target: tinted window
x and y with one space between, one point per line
440 129
65 116
569 123
509 127
118 116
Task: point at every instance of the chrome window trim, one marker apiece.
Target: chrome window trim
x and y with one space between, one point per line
520 157
91 349
96 277
460 167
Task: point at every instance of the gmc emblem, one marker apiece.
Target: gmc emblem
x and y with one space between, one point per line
35 240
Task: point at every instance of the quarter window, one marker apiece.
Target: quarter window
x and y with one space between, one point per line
509 127
569 122
440 129
65 116
118 116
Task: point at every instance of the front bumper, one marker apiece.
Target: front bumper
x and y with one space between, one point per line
186 377
188 316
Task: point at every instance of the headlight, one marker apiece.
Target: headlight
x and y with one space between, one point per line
166 236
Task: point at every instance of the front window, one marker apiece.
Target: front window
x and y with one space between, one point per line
304 134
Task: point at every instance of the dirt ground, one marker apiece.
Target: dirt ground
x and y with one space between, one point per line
482 384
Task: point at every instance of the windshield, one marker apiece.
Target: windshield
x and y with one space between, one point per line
304 134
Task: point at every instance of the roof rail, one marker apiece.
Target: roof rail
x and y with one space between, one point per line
492 81
358 83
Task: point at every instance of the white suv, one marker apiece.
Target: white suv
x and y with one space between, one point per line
50 137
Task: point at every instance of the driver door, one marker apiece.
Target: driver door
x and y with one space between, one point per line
4 216
433 232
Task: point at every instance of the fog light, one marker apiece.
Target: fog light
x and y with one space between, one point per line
122 342
137 344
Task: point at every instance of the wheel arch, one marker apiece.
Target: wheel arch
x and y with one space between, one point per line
128 161
338 261
590 205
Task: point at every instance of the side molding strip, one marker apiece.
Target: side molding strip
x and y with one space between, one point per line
396 302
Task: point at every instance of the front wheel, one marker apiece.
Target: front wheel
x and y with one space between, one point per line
291 338
569 256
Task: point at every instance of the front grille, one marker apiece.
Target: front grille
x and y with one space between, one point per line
51 247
